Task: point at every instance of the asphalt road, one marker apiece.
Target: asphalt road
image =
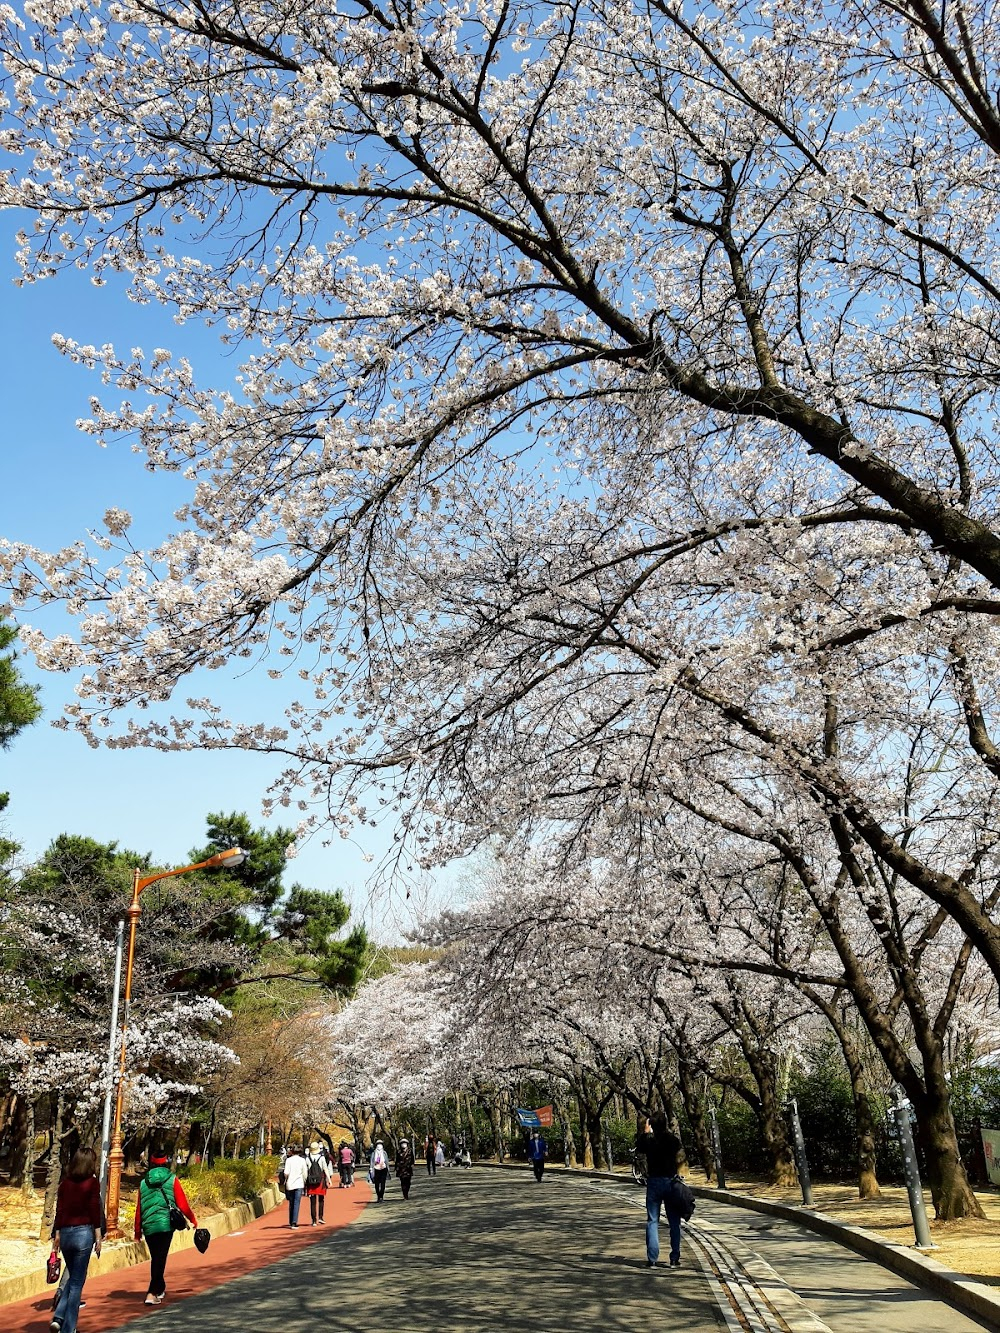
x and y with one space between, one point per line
489 1250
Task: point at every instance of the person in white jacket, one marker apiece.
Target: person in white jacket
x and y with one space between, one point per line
293 1182
378 1169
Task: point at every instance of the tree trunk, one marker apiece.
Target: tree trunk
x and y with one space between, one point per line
19 1117
54 1172
775 1132
596 1136
473 1131
695 1108
864 1119
569 1142
669 1104
209 1138
949 1185
588 1150
868 1186
28 1167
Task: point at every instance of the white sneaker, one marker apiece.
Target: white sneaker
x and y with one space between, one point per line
153 1300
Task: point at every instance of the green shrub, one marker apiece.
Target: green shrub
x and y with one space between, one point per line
228 1180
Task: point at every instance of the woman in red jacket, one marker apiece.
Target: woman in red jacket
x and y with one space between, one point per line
77 1233
158 1189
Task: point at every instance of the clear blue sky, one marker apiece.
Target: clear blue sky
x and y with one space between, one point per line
57 483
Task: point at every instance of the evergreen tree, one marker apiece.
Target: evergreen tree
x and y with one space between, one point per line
295 931
19 707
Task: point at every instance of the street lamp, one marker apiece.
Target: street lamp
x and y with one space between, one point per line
235 856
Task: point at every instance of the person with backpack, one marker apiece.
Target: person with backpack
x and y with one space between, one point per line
404 1167
430 1154
378 1171
319 1173
292 1179
160 1209
663 1187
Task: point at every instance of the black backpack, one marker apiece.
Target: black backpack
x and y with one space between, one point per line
682 1199
315 1175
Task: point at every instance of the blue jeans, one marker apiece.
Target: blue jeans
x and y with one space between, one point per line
76 1244
294 1199
657 1192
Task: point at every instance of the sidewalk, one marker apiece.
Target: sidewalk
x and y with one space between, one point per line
116 1298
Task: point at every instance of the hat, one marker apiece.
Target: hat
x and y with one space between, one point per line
158 1159
405 1142
315 1146
201 1238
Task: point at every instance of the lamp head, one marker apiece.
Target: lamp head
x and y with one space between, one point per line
235 856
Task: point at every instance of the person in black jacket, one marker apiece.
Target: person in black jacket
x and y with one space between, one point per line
404 1167
662 1150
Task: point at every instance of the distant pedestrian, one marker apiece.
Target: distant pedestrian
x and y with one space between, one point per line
345 1163
293 1182
537 1149
404 1167
430 1150
438 1155
76 1232
662 1149
379 1169
159 1189
319 1174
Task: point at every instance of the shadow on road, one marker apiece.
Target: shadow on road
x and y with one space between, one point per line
468 1251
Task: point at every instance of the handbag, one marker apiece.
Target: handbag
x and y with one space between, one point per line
178 1222
53 1267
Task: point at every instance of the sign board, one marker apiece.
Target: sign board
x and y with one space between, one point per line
538 1119
991 1151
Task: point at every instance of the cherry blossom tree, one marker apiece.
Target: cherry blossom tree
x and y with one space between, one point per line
705 267
615 435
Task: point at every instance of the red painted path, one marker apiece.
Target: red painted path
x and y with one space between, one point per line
117 1297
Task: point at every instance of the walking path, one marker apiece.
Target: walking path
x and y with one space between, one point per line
483 1251
116 1298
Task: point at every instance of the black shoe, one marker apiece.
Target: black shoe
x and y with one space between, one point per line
675 1263
650 1263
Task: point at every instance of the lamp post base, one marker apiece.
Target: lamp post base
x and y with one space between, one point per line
116 1161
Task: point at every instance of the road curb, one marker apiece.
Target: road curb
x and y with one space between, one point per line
960 1291
126 1254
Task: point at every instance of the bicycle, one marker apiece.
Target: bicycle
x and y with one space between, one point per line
638 1160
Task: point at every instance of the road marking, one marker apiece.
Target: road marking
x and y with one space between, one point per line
751 1296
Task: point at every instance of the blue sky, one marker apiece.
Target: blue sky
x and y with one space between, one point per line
57 483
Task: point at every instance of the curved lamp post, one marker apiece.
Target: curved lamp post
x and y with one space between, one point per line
235 856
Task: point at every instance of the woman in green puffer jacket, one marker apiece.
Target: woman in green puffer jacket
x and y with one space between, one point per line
158 1189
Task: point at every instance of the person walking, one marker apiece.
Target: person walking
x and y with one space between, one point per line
379 1171
159 1190
430 1147
404 1167
294 1174
76 1232
438 1155
319 1173
346 1164
537 1149
662 1149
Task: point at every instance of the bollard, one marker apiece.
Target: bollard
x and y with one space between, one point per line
720 1175
801 1162
921 1229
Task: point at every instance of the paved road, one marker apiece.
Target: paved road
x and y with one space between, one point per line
486 1250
